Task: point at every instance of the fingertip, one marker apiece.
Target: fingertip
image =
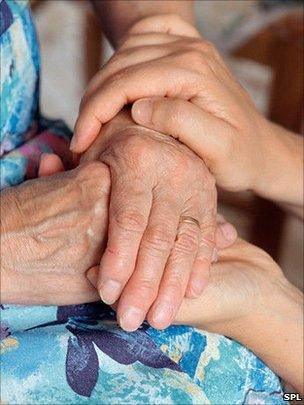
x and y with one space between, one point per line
110 291
161 316
85 133
226 235
49 164
131 319
142 111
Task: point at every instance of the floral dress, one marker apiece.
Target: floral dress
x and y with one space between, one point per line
77 354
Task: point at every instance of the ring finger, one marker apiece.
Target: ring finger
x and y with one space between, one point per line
177 273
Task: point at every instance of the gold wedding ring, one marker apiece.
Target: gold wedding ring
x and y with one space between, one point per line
191 220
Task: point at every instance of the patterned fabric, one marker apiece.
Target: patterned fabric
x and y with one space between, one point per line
24 135
78 354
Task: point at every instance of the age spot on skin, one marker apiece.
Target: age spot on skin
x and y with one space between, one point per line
98 208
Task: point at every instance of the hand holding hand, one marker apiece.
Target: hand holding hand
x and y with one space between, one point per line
116 84
162 223
249 300
203 107
201 104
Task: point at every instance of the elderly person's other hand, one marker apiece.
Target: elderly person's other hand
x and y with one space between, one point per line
154 248
53 227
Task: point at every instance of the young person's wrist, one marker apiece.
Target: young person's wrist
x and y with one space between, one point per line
278 168
274 332
283 304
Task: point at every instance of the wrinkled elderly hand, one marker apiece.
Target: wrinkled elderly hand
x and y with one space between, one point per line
153 250
54 225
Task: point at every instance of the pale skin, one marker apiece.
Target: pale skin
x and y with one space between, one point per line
219 122
59 224
205 108
165 56
247 298
76 289
149 236
140 211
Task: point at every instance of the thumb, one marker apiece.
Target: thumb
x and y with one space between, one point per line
49 164
196 128
167 23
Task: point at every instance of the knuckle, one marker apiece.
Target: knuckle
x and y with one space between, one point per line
196 59
93 180
130 220
92 169
182 166
158 239
133 147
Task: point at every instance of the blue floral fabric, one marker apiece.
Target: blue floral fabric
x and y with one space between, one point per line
19 74
78 354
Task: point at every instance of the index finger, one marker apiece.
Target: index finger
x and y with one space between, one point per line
167 23
125 88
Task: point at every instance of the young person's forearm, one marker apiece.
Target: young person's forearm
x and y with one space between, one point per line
275 334
119 15
280 177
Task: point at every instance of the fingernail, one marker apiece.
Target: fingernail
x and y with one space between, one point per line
131 319
229 231
214 256
73 143
162 315
92 275
142 111
109 291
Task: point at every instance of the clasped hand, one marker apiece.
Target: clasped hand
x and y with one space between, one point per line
153 258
